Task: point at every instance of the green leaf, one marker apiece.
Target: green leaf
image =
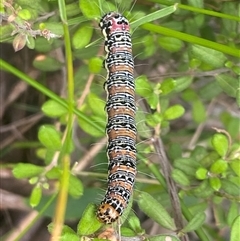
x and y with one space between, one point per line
232 213
72 9
26 170
24 14
127 232
90 9
149 205
211 57
180 177
210 90
154 119
6 31
230 187
153 16
175 151
209 159
97 105
204 190
228 84
67 233
219 166
235 165
195 223
187 165
198 112
50 137
236 70
220 144
54 27
30 42
52 108
134 223
95 65
35 196
75 187
45 63
199 152
170 44
54 173
69 236
235 230
201 173
88 223
143 87
82 36
215 183
182 83
190 95
173 112
167 86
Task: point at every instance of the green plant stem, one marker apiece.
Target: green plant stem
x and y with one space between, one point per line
191 39
62 200
198 10
209 12
70 77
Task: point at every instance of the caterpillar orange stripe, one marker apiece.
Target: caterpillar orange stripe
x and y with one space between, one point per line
121 127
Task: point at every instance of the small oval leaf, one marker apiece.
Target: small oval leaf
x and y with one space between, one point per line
215 183
50 137
35 196
75 187
220 144
228 84
198 112
174 112
180 177
82 37
201 173
143 87
211 57
53 109
195 223
219 166
90 10
26 170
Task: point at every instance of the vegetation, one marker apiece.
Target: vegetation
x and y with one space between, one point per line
188 98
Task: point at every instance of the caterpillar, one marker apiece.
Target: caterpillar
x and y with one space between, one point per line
120 107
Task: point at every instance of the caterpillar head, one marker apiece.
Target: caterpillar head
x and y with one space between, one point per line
107 214
113 22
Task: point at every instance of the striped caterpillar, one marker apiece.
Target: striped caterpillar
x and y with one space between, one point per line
121 128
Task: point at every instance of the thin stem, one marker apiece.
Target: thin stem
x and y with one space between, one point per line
191 39
62 200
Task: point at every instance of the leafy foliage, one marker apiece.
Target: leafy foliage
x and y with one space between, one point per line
187 81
